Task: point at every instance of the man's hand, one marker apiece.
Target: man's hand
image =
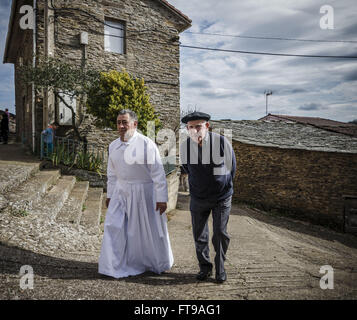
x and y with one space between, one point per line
162 206
107 202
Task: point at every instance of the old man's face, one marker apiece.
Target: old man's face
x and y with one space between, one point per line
126 126
197 130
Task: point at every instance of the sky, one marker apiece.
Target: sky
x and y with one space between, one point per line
7 88
231 85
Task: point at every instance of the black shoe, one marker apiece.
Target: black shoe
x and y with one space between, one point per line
221 278
203 275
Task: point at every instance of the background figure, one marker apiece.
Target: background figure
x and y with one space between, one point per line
49 136
4 128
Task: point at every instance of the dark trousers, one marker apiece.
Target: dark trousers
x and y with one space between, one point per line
200 211
5 136
49 148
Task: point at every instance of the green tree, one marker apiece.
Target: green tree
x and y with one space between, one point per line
119 90
61 77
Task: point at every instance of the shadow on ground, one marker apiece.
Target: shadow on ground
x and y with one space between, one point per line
16 152
12 258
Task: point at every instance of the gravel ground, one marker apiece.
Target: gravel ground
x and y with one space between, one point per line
268 258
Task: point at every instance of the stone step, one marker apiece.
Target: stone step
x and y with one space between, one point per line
92 210
15 173
72 209
31 191
53 201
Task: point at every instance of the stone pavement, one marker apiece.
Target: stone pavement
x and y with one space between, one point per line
269 258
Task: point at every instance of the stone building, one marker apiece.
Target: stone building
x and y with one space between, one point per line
138 35
293 167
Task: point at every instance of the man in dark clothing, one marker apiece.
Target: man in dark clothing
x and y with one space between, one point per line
210 162
4 128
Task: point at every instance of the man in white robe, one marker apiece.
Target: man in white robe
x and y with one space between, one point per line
135 229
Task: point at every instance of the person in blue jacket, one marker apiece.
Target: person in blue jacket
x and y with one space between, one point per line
49 136
210 162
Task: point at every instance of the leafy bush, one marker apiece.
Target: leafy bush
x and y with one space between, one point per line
117 91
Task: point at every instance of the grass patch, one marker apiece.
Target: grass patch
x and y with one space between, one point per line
21 213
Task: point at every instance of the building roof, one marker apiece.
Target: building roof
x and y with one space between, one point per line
178 12
286 135
16 3
326 124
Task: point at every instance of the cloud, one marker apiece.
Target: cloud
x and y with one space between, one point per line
310 107
301 86
220 93
199 84
350 76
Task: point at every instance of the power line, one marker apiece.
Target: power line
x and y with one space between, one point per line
205 48
270 38
269 53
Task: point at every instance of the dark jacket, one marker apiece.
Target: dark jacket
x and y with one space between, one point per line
4 125
211 168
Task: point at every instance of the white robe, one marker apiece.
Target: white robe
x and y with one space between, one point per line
135 236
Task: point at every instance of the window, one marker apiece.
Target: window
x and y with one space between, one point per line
114 33
65 114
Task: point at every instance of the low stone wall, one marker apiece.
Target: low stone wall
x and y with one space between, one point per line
173 181
310 184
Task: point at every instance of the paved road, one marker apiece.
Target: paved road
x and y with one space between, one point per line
269 258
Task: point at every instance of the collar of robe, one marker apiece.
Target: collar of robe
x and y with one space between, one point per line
121 143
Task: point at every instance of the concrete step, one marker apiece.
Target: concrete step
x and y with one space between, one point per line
53 201
15 173
12 138
72 209
31 191
92 210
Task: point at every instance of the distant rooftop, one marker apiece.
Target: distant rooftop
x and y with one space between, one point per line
287 135
326 124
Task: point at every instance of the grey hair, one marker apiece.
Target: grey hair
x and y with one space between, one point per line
131 114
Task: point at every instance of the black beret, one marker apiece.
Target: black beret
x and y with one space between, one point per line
195 116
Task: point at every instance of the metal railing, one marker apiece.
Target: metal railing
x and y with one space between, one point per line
75 153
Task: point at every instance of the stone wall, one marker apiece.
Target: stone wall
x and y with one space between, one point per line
307 183
152 49
173 181
23 93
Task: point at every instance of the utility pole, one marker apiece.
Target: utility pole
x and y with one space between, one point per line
267 93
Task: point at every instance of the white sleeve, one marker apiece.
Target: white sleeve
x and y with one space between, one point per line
111 177
157 173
